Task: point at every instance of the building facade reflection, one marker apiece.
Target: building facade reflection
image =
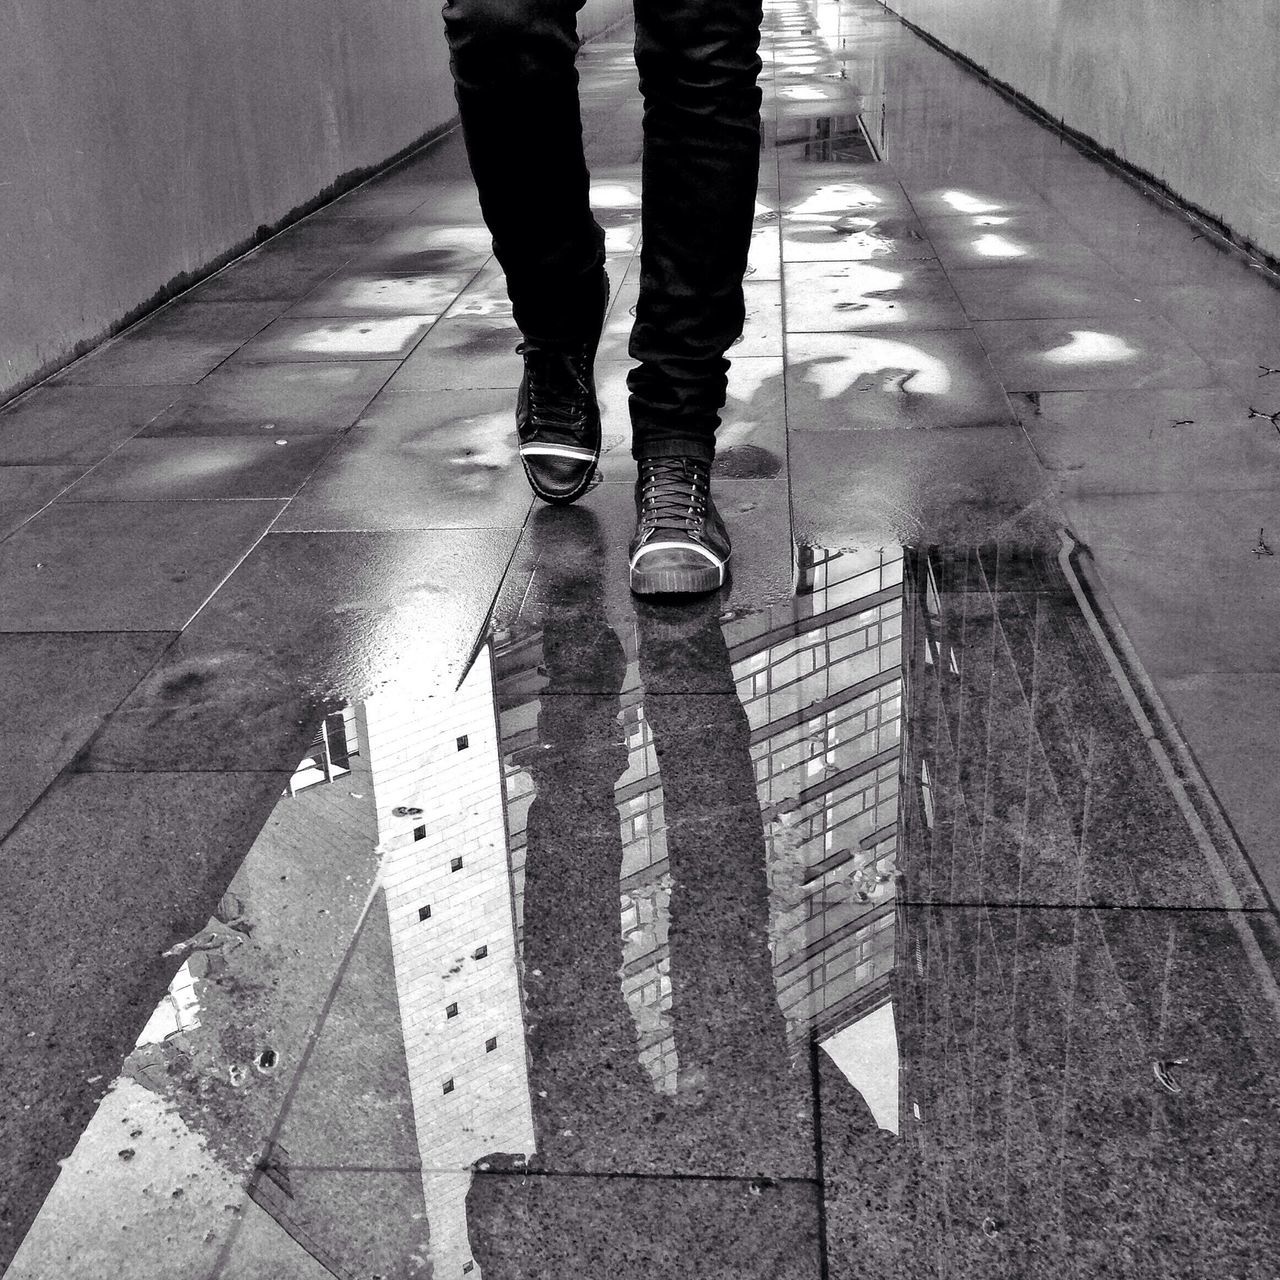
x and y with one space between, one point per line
821 682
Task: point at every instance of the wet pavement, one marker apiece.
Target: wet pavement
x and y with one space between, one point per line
388 894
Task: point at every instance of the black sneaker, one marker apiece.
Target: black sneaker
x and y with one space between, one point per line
558 417
681 546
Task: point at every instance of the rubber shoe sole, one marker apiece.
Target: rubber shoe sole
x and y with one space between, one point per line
695 580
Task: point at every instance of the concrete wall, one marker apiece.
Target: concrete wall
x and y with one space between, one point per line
144 139
1183 89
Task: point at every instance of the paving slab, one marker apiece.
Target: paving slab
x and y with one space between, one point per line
306 622
1151 547
290 399
164 849
190 467
1092 354
1053 1090
358 338
176 345
115 566
417 460
58 689
858 382
26 490
1193 441
966 486
66 426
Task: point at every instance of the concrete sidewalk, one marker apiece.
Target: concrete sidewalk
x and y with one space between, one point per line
978 366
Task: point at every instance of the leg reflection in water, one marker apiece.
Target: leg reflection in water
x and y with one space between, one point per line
725 1168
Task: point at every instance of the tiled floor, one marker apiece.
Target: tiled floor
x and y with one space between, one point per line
906 910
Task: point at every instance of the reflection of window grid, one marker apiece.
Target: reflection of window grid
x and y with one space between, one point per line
653 991
630 917
641 815
839 971
815 652
650 990
836 578
822 664
841 818
660 1061
854 731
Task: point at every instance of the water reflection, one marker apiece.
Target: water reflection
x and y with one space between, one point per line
584 917
964 202
1086 346
611 923
995 246
878 364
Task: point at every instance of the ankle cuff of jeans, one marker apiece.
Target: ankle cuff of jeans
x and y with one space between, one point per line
675 447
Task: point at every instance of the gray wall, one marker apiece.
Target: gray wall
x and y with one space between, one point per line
1186 90
144 139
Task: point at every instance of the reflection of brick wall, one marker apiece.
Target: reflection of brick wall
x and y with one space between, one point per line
453 939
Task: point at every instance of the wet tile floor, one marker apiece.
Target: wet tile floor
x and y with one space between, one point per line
388 894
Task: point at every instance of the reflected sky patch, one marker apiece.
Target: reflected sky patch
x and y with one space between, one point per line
963 202
879 364
364 336
1087 346
836 198
997 246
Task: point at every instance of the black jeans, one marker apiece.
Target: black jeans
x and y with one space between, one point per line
516 83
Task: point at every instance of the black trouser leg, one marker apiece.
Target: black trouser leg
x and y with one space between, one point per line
516 83
699 64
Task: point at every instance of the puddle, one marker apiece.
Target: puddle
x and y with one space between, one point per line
603 927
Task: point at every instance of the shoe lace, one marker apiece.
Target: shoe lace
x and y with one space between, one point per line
673 495
557 386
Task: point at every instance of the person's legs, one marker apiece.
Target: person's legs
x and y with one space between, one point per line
699 64
516 83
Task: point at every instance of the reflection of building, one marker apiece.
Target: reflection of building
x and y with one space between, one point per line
822 688
421 780
821 682
436 779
